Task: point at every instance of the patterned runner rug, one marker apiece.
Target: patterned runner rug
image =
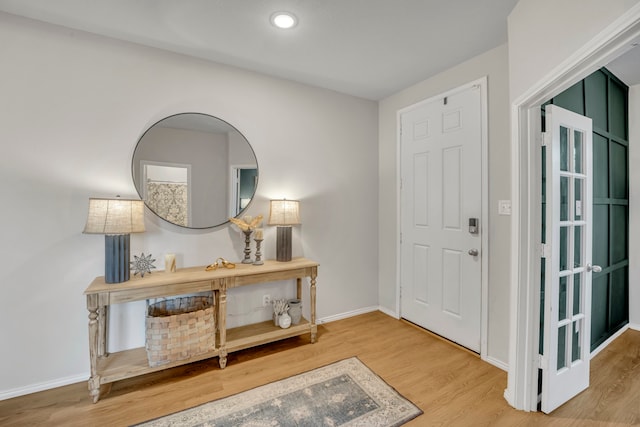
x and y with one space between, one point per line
345 393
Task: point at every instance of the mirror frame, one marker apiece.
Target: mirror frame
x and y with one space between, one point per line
138 189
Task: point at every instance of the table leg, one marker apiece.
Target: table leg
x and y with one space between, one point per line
102 330
223 358
222 320
216 319
312 294
94 379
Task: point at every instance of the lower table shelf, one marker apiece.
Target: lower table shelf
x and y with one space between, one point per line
262 333
131 363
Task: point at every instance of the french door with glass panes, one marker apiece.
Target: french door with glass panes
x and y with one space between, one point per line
567 251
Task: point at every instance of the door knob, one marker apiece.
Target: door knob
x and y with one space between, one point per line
473 252
594 268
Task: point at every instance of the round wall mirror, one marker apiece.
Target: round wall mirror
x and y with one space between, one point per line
195 170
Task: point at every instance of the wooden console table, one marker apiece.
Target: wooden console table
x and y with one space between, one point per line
107 368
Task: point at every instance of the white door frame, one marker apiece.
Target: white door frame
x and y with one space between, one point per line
484 224
613 41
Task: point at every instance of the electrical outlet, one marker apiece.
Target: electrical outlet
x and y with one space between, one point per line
266 300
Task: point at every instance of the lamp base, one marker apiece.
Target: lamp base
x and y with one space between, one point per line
283 243
116 258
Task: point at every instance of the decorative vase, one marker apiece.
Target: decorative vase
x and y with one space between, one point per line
295 311
276 319
285 321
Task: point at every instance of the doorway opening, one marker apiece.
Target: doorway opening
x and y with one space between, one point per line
244 180
526 269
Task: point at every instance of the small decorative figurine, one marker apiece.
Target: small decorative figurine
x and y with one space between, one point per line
258 239
142 264
220 262
247 224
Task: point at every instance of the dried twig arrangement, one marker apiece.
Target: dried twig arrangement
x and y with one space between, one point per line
280 306
247 223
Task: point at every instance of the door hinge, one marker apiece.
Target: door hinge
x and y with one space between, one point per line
542 362
545 139
545 250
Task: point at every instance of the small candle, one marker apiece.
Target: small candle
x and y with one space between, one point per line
258 235
170 263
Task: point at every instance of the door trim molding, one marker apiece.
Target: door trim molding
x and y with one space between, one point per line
613 41
484 224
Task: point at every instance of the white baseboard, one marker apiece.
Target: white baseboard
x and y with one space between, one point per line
347 314
604 345
634 326
508 396
47 385
390 313
497 363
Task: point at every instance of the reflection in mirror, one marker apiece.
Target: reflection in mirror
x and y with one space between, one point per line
167 191
195 170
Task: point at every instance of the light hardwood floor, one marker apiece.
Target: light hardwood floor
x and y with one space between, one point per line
451 385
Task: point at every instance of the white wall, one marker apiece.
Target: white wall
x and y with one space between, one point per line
493 64
72 108
544 33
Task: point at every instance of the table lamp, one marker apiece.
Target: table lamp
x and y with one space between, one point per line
284 213
116 219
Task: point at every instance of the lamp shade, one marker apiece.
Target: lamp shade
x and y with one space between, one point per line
284 212
115 216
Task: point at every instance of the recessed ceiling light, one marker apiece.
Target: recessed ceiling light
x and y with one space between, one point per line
284 20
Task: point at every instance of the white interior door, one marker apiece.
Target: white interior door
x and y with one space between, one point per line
568 229
441 176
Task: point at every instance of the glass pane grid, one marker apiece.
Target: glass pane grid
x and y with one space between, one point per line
577 294
565 137
562 298
571 248
571 234
562 348
576 339
578 138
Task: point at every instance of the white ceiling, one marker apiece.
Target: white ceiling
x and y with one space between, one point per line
366 48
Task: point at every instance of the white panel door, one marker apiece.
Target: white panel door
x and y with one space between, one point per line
441 175
568 235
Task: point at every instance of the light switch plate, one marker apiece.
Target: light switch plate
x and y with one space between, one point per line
504 207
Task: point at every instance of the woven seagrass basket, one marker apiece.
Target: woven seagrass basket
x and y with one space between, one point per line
179 328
